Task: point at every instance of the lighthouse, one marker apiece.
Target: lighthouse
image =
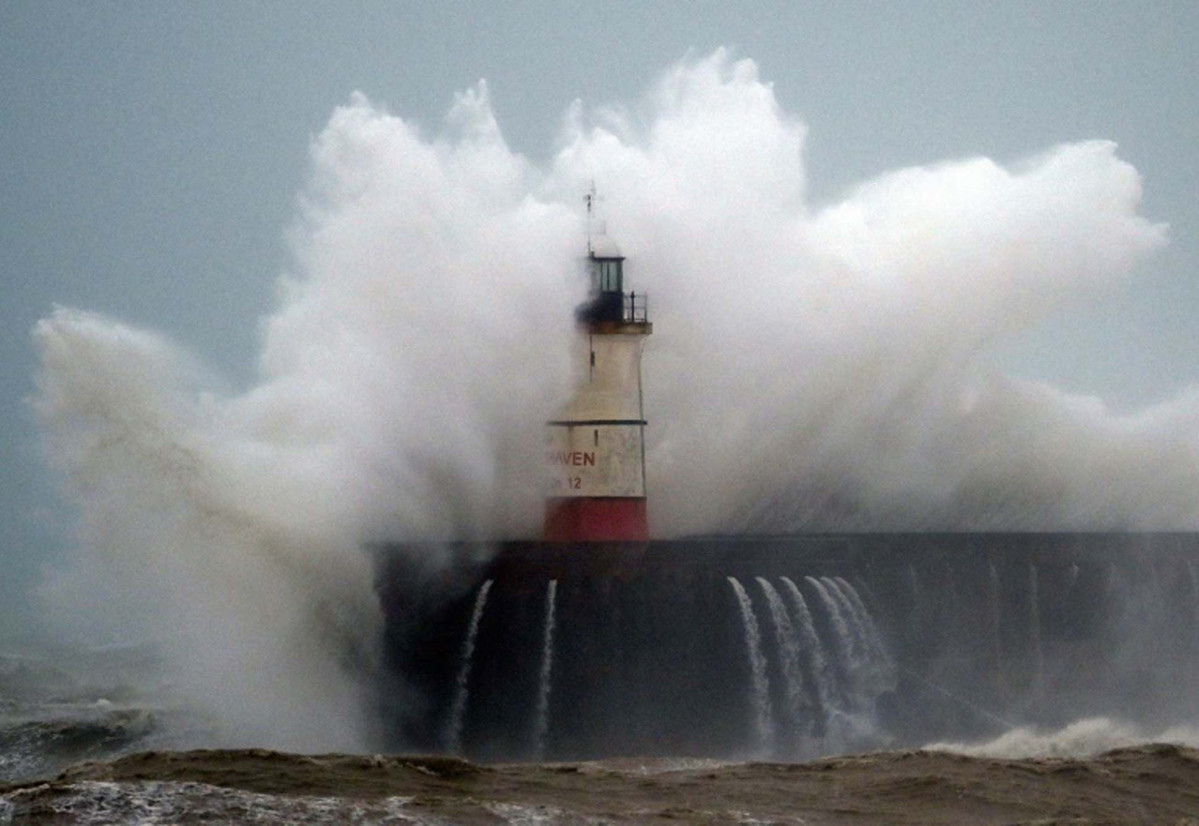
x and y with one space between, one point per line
595 448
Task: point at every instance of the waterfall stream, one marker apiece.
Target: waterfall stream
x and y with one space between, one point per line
462 680
542 725
788 646
760 683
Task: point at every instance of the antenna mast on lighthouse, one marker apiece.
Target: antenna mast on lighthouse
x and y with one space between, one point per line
595 449
591 199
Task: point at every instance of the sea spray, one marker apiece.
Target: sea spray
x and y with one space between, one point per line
234 528
404 235
759 682
462 680
541 725
239 559
847 375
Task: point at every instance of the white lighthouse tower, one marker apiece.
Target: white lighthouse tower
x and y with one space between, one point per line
595 449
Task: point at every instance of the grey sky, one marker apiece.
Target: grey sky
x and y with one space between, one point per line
152 151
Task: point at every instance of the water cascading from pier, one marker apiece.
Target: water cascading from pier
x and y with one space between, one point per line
870 671
788 647
462 680
881 668
845 645
817 657
760 683
542 721
853 621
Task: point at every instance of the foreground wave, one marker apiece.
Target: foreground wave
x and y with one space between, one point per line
60 735
1140 784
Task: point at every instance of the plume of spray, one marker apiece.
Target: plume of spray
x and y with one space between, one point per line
813 366
398 399
823 367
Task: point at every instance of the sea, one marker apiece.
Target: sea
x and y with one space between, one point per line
88 736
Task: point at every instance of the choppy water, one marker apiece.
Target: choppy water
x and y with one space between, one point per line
87 742
35 740
61 706
1143 784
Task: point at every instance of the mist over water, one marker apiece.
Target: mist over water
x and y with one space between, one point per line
813 366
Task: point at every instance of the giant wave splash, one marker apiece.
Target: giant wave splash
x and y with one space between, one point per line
814 366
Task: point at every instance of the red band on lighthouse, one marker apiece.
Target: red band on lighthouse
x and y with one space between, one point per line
596 520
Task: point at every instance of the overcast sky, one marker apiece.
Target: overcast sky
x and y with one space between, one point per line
152 152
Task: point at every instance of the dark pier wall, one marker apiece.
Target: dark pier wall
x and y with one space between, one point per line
978 632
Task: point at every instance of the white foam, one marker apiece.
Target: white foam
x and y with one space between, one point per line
1082 738
160 803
